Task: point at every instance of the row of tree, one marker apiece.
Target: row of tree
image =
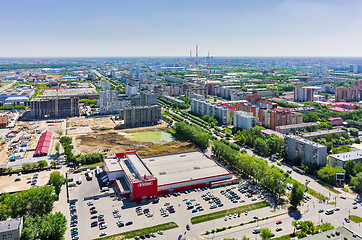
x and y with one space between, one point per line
271 177
196 135
256 139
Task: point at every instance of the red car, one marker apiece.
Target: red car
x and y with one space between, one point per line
279 222
90 209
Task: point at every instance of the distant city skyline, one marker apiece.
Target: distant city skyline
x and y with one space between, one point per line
41 28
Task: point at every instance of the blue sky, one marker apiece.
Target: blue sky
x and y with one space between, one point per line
40 28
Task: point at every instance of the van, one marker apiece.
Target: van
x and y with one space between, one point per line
79 181
104 189
329 211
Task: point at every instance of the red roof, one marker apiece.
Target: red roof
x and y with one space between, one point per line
339 109
334 119
44 144
226 105
269 132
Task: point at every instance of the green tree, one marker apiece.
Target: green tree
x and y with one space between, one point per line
354 132
358 168
357 182
349 167
262 146
42 164
57 180
328 173
275 143
46 227
296 196
266 233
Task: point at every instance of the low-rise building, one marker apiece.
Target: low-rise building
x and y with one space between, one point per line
4 120
11 229
340 159
266 104
269 132
307 151
322 133
335 121
244 120
292 128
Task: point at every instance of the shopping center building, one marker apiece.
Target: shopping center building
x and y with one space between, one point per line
146 178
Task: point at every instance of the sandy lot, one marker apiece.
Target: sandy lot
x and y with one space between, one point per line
112 141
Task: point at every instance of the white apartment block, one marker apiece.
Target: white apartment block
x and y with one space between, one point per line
244 120
202 107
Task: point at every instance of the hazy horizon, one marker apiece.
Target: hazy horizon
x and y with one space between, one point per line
159 28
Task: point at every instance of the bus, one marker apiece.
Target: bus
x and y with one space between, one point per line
298 170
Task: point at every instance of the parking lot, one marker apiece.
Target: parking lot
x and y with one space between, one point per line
119 215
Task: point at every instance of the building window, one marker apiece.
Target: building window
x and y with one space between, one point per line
10 236
4 237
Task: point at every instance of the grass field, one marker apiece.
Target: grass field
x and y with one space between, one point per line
156 136
142 231
355 218
220 214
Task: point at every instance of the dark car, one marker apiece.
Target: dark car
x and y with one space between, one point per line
129 223
94 224
347 220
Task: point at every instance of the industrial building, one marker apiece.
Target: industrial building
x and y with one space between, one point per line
19 93
54 107
340 159
244 120
146 178
292 128
140 115
44 144
305 150
202 107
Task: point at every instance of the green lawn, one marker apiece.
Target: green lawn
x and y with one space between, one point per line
345 190
309 190
142 231
223 213
355 218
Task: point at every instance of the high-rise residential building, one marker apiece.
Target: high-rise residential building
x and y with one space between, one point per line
141 115
253 98
54 107
270 118
10 229
110 102
131 90
148 98
307 151
244 120
303 94
202 107
349 94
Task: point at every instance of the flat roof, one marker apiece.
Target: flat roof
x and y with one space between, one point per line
179 167
321 133
297 125
269 132
112 164
354 155
339 233
138 165
10 225
306 141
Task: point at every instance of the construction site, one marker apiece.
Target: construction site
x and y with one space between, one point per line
98 135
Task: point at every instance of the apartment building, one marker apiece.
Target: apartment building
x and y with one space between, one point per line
131 90
253 98
202 107
148 98
4 120
270 118
303 94
348 94
266 104
11 229
244 120
54 107
305 150
320 134
141 115
293 128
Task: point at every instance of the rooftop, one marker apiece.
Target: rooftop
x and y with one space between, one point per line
180 167
300 139
269 132
322 133
297 125
10 225
354 155
338 233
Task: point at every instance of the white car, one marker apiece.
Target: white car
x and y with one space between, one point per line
90 203
102 234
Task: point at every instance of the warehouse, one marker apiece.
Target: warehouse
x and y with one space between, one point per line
44 144
146 178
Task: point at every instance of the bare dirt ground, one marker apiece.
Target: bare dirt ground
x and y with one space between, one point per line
112 141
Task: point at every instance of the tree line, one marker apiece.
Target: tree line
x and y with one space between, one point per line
196 135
